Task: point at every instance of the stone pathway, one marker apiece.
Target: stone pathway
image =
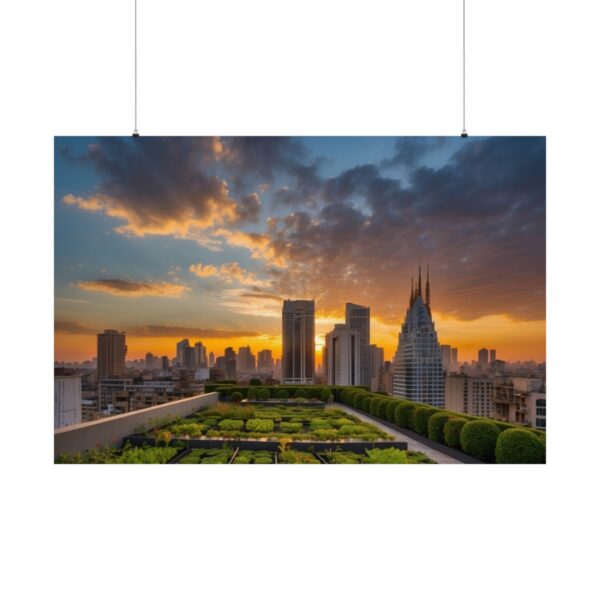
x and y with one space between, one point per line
413 445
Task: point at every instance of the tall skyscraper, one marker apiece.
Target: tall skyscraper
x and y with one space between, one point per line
298 341
359 318
211 360
483 358
230 363
265 360
246 362
181 349
454 363
342 355
446 351
149 361
111 354
418 374
376 358
200 355
492 356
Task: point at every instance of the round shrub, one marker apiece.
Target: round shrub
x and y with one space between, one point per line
282 394
373 405
382 408
236 396
252 393
518 446
403 416
452 429
421 418
391 410
358 397
478 438
435 427
300 393
263 393
326 394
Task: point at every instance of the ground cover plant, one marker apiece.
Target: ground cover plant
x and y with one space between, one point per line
206 456
342 457
128 455
248 422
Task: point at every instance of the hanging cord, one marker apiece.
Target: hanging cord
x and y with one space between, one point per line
464 129
135 129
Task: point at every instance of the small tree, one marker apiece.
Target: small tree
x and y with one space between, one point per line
236 396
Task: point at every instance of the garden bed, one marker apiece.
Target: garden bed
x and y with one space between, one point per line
239 423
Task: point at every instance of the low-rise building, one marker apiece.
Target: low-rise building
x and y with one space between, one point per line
469 395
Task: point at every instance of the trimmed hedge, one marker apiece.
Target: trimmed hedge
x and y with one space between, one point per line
236 396
252 393
383 406
391 410
403 417
435 427
478 438
326 394
452 430
282 394
518 446
373 405
421 418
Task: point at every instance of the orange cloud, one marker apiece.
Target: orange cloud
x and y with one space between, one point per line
229 272
123 287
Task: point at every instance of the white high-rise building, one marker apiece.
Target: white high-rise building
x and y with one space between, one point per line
418 374
67 400
298 341
359 318
342 355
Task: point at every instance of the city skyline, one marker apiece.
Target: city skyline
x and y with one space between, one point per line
167 238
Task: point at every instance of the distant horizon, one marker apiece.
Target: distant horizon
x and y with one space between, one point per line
167 238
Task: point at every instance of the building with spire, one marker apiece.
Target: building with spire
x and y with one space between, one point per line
418 374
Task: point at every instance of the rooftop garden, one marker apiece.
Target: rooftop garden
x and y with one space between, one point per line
227 421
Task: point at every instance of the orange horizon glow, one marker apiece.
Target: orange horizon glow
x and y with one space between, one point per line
512 340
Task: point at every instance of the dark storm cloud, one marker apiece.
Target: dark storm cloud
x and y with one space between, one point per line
479 220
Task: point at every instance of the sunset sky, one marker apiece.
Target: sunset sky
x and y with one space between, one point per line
166 238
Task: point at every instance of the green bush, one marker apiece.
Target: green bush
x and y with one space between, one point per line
518 446
236 396
452 430
296 457
478 438
382 408
252 393
326 394
255 381
435 427
373 405
263 393
282 394
390 411
350 430
231 424
386 456
191 429
403 416
319 423
289 427
325 434
260 425
300 393
421 418
358 398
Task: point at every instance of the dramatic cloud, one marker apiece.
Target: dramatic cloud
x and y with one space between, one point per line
125 287
163 186
479 220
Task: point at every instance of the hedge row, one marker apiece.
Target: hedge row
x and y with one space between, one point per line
322 392
485 439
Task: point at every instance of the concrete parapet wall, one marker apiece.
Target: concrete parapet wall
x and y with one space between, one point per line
112 430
